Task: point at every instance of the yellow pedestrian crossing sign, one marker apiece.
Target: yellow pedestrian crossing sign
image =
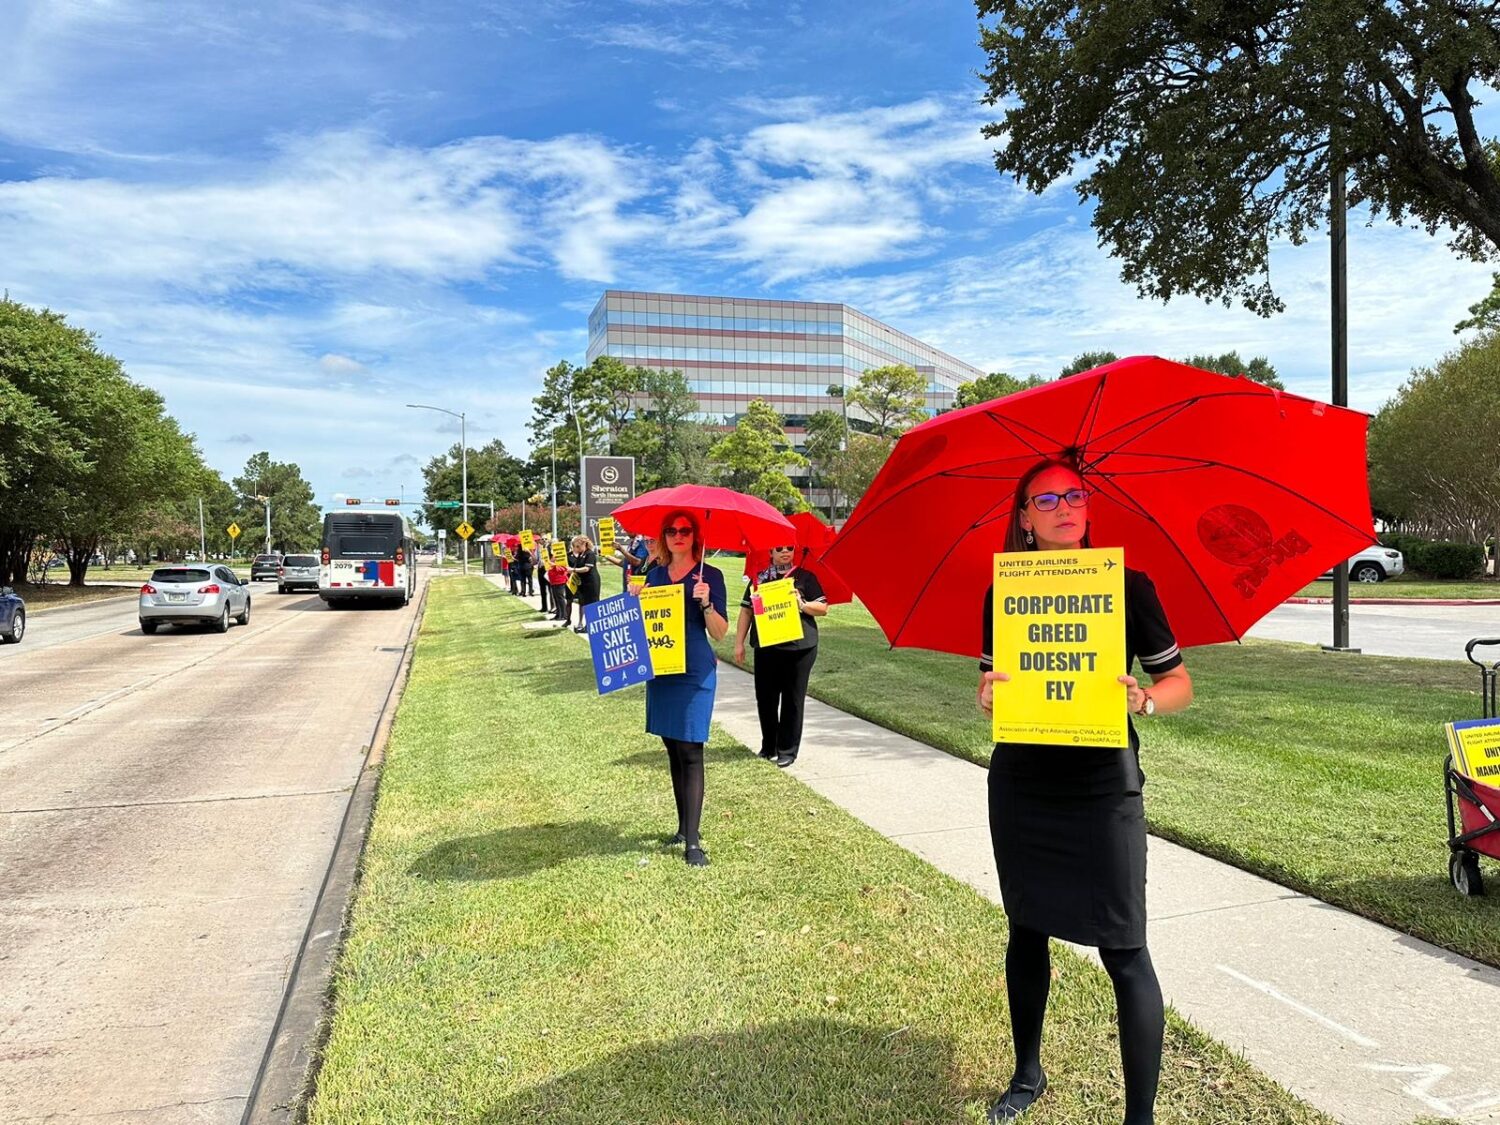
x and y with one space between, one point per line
464 530
234 530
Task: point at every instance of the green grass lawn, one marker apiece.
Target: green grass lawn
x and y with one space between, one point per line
60 594
523 950
1322 772
1407 587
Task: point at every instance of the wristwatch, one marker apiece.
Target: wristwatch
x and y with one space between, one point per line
1148 705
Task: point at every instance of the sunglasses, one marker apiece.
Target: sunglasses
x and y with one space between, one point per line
783 548
680 530
1048 501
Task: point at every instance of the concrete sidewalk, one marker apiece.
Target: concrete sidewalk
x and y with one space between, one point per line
1368 1024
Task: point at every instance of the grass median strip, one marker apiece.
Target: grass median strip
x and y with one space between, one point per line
1319 771
522 949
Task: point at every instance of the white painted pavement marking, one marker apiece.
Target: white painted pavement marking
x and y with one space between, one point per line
1333 1025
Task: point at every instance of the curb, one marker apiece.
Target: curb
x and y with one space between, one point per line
30 611
1396 601
288 1069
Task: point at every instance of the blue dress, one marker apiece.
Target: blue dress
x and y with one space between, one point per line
682 706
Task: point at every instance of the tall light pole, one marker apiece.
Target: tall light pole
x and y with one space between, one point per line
463 445
583 527
554 482
266 500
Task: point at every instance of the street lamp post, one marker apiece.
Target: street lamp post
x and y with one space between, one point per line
463 444
266 500
583 527
554 483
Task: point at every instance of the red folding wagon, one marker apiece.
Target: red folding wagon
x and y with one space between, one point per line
1473 807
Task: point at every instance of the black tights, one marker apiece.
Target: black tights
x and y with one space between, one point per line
1028 975
685 760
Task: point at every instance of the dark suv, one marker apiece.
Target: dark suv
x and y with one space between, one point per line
264 566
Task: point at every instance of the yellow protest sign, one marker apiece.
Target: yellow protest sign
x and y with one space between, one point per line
776 617
637 581
662 608
1476 749
606 536
495 548
1059 631
528 542
559 553
572 583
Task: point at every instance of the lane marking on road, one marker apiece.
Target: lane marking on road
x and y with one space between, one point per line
1425 1077
86 709
1273 993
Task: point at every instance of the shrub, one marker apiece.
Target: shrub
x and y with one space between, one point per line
1449 560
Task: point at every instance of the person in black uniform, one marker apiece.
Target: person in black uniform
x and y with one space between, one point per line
1069 829
583 564
782 671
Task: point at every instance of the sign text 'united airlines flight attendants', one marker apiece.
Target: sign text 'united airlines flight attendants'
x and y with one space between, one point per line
1059 632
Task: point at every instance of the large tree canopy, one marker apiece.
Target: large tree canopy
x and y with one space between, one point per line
1204 132
755 456
296 523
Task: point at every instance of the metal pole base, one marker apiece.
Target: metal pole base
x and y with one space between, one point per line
1339 648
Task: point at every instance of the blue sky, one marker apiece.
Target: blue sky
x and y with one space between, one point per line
294 216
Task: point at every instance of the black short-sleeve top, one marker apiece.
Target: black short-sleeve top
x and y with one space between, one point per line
1093 769
806 584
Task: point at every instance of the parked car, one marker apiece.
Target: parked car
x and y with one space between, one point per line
297 572
1374 564
264 566
184 595
12 616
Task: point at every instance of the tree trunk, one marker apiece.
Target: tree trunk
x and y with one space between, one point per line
81 549
15 552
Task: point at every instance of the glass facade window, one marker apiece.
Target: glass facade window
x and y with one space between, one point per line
732 350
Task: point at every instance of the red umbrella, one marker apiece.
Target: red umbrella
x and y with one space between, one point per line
1229 494
731 521
813 538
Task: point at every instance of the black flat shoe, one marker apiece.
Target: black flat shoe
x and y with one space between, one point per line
1017 1100
694 856
786 760
768 755
673 840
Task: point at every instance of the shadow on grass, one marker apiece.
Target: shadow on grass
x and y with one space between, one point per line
812 1070
509 853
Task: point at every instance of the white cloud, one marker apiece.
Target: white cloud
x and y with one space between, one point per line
340 365
695 50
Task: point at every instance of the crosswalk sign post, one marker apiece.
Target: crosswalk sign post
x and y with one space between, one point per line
464 530
234 533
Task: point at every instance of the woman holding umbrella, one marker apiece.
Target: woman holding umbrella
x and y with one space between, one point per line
679 708
1069 829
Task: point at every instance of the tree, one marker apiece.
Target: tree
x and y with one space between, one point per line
1434 460
84 452
893 397
997 384
495 477
666 436
1258 370
754 457
296 523
1087 362
824 441
855 468
1208 132
572 398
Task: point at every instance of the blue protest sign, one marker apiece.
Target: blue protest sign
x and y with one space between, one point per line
617 640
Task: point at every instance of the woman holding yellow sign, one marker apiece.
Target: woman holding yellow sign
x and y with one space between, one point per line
680 707
782 666
1067 822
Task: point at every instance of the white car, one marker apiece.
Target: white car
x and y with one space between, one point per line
1374 564
189 595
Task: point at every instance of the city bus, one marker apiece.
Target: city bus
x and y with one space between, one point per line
367 557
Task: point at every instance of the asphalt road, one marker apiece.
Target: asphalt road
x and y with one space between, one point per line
1435 631
168 807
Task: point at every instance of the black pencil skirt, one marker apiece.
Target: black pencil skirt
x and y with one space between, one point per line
1072 864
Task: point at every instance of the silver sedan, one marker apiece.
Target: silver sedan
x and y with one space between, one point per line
185 595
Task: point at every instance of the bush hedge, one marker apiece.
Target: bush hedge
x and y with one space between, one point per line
1449 560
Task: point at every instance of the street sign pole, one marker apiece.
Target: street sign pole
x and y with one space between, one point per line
463 440
202 538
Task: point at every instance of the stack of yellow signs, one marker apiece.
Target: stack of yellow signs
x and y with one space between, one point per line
528 541
1476 749
662 608
777 619
1059 632
606 537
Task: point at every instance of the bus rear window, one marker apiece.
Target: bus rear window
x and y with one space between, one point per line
364 546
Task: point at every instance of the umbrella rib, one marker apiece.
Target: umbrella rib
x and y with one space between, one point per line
1090 414
905 621
1175 408
1006 424
1233 632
